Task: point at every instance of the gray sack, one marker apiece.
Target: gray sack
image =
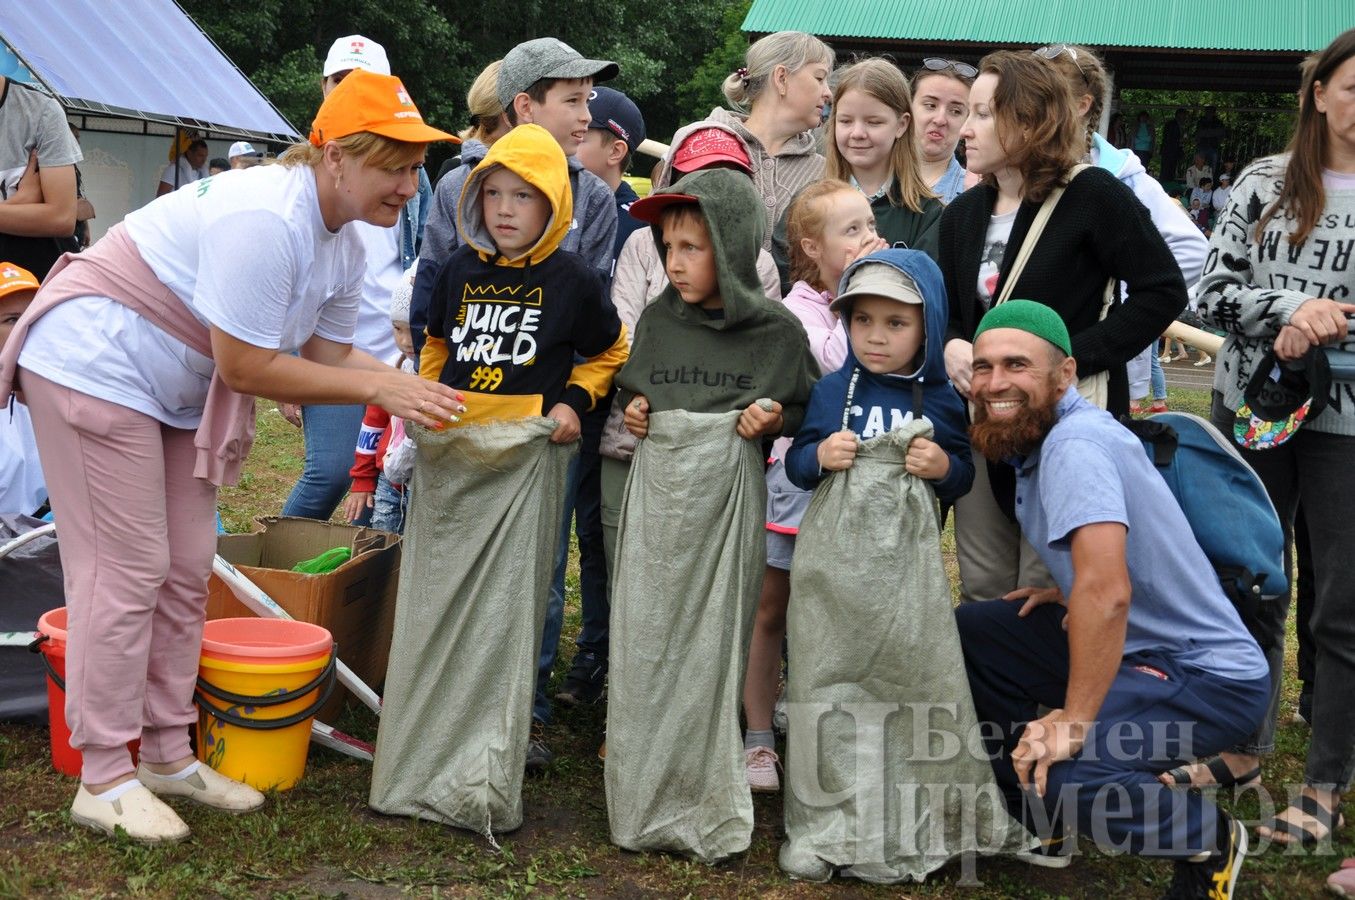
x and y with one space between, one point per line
875 787
689 562
480 542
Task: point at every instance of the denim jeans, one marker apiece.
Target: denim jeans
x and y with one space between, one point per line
1156 376
331 434
1314 468
1155 715
583 512
388 506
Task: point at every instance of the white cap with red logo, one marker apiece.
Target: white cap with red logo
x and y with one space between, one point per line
356 52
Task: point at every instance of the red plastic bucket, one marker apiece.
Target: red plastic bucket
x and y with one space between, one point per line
52 645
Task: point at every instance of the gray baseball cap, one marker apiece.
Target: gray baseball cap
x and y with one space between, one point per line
547 57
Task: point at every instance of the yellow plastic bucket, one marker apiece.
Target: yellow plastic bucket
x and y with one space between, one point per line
260 683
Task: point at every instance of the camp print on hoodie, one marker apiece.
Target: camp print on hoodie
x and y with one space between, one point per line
883 403
505 331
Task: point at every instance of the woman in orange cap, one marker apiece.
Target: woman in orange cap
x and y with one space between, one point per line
139 361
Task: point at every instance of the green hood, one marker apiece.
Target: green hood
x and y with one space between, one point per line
734 217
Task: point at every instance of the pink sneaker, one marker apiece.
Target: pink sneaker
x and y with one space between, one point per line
761 763
1342 881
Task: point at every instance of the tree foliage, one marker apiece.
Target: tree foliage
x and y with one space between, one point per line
672 55
1258 124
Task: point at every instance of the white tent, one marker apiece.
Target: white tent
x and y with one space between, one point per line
131 73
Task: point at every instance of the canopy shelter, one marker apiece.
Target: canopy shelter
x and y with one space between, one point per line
1218 45
133 74
143 60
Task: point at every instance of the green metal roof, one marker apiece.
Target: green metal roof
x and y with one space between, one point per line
1243 25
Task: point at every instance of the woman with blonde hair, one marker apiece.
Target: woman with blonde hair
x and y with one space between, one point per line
488 124
139 361
779 96
487 121
873 150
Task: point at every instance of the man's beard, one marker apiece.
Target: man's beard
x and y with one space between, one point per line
1016 435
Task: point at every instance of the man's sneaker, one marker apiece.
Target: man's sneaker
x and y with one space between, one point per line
1053 853
760 764
1215 876
586 679
538 754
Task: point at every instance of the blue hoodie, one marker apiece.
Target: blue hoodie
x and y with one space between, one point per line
885 402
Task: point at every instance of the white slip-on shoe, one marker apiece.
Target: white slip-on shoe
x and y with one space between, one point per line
137 812
206 786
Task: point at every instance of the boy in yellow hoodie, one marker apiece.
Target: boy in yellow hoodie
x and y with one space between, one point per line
509 316
510 311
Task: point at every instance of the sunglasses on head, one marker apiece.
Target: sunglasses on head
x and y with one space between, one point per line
936 64
1054 51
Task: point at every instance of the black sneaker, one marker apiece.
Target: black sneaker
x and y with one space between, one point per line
1215 876
585 682
538 754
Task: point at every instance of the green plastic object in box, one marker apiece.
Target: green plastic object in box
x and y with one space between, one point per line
325 562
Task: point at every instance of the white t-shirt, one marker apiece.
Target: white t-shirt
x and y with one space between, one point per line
1219 198
248 252
994 249
187 174
22 487
383 273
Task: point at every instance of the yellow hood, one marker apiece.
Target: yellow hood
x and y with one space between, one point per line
529 152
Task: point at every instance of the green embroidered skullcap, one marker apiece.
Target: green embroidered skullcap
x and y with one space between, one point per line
1030 317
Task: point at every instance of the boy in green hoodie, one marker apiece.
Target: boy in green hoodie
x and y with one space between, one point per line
712 341
710 353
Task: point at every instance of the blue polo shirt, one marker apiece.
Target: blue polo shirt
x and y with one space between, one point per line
1090 469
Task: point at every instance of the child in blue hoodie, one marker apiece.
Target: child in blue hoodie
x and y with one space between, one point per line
894 304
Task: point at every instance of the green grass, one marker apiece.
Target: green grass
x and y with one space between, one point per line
320 840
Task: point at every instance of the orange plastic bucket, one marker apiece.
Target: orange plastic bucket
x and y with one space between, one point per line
52 645
260 683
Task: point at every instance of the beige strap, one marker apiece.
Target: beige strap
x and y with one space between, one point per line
1033 237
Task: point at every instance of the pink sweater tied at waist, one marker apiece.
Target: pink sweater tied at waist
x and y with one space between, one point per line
113 268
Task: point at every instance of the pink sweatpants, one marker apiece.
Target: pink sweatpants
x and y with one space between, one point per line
137 535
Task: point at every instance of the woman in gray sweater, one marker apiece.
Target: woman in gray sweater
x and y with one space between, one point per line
779 97
1279 276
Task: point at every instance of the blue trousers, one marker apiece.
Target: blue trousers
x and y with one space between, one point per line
331 434
583 513
1155 716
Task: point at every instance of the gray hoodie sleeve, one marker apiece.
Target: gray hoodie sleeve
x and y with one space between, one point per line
439 240
595 211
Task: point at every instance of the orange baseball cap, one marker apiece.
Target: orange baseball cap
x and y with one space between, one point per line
365 101
16 278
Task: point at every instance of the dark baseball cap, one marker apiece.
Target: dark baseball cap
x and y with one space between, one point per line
615 112
547 57
1281 396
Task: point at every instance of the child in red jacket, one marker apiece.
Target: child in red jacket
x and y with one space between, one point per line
383 459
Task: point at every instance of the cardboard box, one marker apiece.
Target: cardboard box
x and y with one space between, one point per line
356 601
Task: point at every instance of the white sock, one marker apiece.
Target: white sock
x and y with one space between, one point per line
114 793
184 772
